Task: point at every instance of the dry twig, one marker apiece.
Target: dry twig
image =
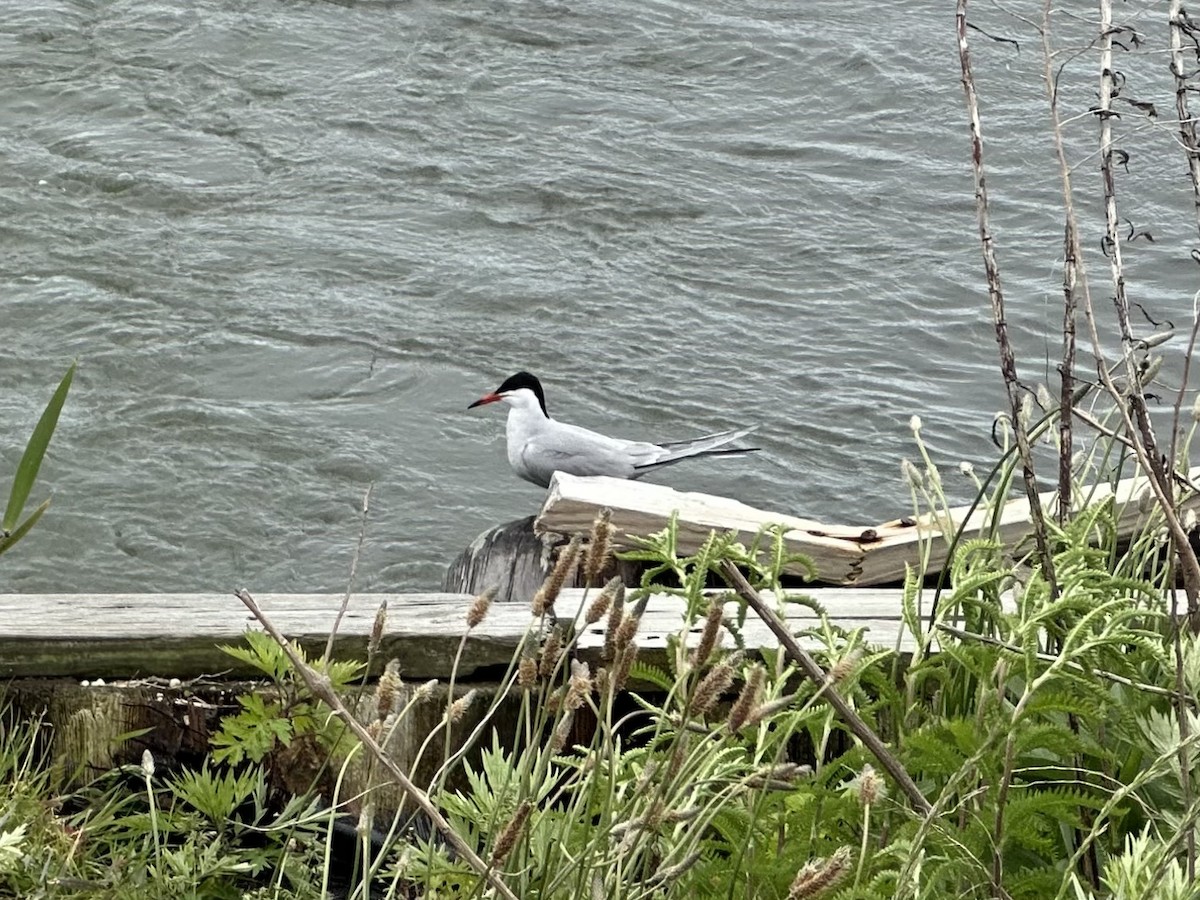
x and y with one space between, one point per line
1008 363
322 689
818 675
362 532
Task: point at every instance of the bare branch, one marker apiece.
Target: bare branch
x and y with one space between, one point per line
323 691
813 670
362 532
1008 364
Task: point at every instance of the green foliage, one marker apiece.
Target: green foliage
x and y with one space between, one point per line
217 795
131 834
264 723
12 526
254 732
1038 716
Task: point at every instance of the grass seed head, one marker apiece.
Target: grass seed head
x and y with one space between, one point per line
598 546
712 630
387 690
714 684
747 699
670 874
616 613
845 666
816 877
527 673
544 599
562 732
869 786
580 685
626 631
604 600
766 710
511 832
551 651
781 776
425 691
378 627
480 606
624 665
459 707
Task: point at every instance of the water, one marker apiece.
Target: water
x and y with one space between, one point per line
290 242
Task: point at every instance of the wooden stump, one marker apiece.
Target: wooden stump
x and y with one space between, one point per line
511 558
515 559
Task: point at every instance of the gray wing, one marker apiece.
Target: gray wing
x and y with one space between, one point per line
579 451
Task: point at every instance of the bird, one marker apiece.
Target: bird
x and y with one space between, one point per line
539 446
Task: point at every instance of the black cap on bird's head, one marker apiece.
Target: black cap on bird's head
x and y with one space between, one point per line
522 380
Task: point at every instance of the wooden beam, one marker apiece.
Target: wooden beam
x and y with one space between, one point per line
859 555
90 636
93 727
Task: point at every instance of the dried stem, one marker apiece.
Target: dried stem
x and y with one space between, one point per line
818 675
1066 370
1187 125
1008 364
322 689
1187 135
362 532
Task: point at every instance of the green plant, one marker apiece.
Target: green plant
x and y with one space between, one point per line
270 719
12 526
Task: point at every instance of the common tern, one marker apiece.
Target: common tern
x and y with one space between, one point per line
539 446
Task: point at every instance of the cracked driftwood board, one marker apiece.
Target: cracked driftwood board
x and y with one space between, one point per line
858 555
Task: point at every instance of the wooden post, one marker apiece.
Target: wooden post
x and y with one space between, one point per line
511 558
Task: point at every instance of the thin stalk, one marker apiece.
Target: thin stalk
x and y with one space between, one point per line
813 670
362 532
1008 364
322 689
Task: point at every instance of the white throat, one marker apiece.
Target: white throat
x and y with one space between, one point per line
524 400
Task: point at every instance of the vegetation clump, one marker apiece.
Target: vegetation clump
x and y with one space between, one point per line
1032 733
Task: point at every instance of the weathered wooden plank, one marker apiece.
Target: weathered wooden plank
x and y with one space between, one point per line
640 509
178 635
862 555
898 544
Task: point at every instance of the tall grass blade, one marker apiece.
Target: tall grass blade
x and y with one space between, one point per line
35 450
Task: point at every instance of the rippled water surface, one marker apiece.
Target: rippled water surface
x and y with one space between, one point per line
289 242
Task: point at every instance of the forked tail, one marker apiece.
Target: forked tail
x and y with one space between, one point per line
708 445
